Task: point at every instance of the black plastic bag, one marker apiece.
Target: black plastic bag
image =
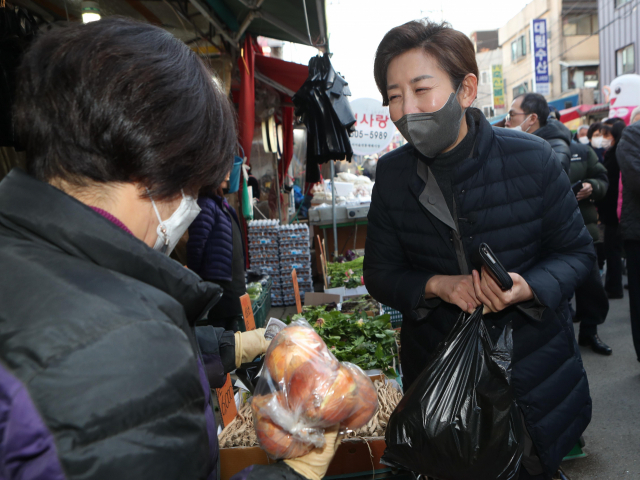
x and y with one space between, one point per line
459 420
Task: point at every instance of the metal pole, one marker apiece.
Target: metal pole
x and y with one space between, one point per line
275 159
333 208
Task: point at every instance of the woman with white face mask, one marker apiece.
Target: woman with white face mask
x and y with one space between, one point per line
102 371
456 184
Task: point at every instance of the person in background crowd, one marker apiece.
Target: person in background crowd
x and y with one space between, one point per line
635 116
459 183
581 135
592 304
628 155
533 109
594 134
607 209
103 374
215 251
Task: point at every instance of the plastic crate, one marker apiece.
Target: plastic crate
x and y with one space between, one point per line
396 316
262 305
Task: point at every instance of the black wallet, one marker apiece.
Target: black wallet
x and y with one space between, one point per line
497 270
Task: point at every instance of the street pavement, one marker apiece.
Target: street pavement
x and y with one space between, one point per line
613 437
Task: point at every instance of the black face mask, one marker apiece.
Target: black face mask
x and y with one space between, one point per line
431 133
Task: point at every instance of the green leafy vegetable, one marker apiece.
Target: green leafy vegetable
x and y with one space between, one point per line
368 342
347 274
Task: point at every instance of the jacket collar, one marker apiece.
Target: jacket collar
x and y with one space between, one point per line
47 216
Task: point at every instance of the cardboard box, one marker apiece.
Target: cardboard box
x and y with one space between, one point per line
353 457
318 298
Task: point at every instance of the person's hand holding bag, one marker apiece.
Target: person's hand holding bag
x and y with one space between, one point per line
314 464
249 345
493 297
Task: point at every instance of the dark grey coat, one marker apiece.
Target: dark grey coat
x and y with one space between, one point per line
629 160
514 195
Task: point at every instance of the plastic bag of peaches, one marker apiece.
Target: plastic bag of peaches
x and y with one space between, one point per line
303 390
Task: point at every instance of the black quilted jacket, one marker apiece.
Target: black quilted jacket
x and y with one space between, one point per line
514 195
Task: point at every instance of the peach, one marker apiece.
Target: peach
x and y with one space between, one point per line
367 401
309 385
340 400
273 439
291 348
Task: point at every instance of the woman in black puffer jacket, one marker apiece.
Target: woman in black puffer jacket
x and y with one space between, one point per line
608 209
459 183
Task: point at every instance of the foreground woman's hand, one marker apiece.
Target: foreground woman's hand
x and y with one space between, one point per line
493 297
456 289
314 465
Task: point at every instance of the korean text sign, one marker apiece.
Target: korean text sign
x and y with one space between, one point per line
540 55
498 86
374 128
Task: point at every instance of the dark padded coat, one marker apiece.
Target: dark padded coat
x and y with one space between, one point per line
210 244
585 167
102 374
629 160
559 137
512 194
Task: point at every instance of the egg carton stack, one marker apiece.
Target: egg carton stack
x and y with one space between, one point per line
264 253
294 253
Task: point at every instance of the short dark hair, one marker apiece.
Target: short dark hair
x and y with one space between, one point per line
122 101
535 103
613 121
593 128
452 50
615 129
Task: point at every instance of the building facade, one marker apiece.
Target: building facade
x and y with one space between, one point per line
619 38
572 51
485 100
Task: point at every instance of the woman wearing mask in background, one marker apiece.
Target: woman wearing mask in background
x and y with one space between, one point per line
594 134
215 252
102 375
608 209
459 183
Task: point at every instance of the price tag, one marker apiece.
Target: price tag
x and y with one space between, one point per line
247 312
296 290
227 403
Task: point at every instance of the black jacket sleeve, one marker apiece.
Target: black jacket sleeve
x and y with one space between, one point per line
218 349
596 176
567 247
388 274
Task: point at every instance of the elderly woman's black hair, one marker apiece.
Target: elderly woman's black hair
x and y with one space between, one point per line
593 128
92 110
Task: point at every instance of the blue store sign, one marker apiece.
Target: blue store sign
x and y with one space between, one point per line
540 56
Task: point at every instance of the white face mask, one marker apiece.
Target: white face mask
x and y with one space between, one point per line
519 127
170 231
606 143
596 142
584 140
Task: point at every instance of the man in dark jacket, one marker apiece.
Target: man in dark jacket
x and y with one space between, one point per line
592 304
530 113
629 161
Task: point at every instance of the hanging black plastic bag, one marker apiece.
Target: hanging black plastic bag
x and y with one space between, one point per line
459 420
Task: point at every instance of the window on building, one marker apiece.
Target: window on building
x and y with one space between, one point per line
488 111
579 77
520 89
626 60
519 48
585 24
619 3
485 77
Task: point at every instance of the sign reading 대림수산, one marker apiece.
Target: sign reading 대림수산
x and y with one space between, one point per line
374 128
540 54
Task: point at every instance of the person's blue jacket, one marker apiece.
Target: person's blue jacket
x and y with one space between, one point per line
210 245
512 194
